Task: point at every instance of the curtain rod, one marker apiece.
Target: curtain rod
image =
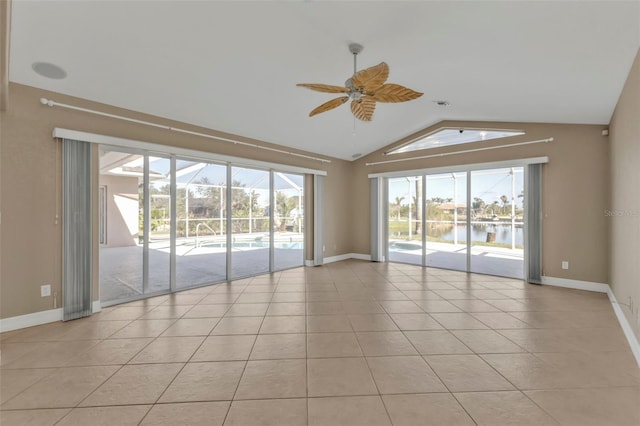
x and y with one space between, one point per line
51 103
460 152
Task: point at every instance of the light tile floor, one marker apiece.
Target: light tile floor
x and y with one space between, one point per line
350 343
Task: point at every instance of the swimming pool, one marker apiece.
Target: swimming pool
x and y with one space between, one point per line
286 245
398 246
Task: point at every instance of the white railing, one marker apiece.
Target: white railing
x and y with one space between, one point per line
198 232
246 224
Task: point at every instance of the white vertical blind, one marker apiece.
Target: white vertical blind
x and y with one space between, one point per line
77 230
318 219
173 193
378 218
533 223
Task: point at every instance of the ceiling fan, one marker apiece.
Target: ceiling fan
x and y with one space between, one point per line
364 88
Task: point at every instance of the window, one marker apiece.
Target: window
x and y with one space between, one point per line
448 137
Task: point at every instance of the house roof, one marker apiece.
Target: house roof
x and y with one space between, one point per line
449 206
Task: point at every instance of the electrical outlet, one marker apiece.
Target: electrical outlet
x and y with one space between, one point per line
565 264
45 290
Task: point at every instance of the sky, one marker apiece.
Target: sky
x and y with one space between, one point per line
486 184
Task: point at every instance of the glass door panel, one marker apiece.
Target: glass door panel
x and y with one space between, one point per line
121 224
159 227
497 220
288 220
249 223
446 211
201 234
405 220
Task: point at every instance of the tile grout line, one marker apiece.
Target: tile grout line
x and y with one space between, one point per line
369 290
438 376
244 369
371 374
183 366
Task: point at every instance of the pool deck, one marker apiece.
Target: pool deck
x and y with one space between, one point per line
199 264
500 261
121 268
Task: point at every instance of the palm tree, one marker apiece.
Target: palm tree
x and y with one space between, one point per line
478 205
397 205
494 205
418 214
505 201
283 207
521 195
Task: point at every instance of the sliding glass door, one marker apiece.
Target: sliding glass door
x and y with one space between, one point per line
405 220
497 222
446 207
473 221
135 224
169 223
121 261
201 236
158 224
288 215
250 237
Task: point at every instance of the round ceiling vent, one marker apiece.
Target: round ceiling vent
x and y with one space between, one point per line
49 70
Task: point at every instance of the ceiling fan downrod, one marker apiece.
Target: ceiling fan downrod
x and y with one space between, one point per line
354 94
355 48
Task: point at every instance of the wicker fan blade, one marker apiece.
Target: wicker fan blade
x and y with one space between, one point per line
333 103
325 88
363 108
394 93
371 78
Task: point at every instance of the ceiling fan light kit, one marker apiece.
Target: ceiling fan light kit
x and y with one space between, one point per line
363 89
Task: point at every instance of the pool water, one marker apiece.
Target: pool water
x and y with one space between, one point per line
395 246
287 245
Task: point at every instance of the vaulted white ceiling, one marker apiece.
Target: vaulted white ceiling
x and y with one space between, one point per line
233 66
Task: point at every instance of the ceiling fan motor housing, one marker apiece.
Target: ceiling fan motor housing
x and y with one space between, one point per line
355 48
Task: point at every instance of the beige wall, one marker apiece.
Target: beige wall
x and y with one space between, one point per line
575 188
624 207
122 210
30 176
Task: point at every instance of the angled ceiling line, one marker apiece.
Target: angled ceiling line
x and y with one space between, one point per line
444 154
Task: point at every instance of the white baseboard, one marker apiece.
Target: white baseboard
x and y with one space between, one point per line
30 320
626 327
346 256
337 258
38 318
575 284
361 256
632 339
